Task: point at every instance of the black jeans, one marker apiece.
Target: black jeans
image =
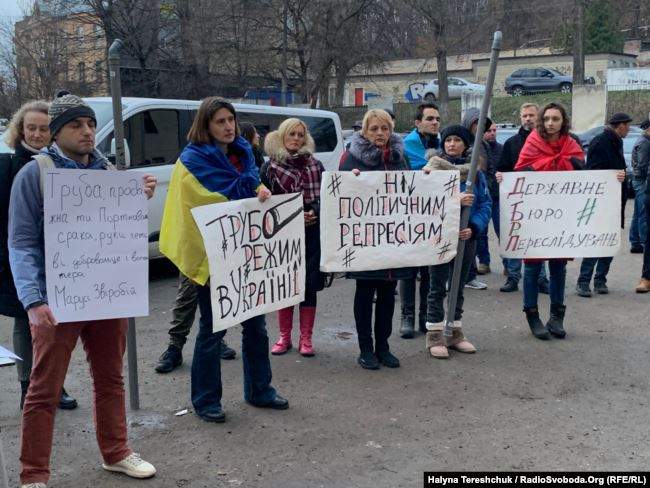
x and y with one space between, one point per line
587 270
384 309
439 276
407 292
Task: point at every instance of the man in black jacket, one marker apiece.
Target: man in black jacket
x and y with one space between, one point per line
509 156
605 152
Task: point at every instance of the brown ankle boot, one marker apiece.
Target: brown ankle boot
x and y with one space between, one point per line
435 340
644 286
457 341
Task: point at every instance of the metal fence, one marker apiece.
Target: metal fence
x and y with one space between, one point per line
631 99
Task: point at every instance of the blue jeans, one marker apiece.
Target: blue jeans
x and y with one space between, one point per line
587 270
639 226
206 365
482 246
532 272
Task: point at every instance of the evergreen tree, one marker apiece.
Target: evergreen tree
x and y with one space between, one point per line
601 28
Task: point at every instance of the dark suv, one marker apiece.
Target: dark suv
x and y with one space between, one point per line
528 80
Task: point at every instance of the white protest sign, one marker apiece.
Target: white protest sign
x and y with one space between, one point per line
388 219
256 254
96 244
560 214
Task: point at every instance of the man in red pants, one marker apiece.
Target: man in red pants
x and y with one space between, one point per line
72 124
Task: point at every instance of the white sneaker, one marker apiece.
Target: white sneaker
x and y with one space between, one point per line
34 485
133 466
476 285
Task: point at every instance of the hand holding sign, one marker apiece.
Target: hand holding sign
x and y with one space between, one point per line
560 214
388 219
96 246
256 254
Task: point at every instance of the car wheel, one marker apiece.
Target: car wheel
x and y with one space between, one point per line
565 88
429 97
517 91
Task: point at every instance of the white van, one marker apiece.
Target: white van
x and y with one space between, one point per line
155 131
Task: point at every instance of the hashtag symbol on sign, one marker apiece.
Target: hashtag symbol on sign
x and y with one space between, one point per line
224 247
335 185
450 186
444 251
584 215
348 258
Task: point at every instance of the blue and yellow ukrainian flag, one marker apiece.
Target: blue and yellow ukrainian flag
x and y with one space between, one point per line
202 175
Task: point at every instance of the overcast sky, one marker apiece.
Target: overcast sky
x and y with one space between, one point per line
10 8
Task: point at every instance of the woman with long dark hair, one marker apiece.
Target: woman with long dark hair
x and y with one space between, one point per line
216 166
550 147
249 132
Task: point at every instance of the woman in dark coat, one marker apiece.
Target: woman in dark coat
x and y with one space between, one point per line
249 133
375 148
27 134
293 169
456 155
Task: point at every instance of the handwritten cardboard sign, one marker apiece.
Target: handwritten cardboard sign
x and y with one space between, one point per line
560 214
388 219
96 244
256 254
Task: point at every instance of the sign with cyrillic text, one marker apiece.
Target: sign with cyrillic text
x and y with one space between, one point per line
96 244
560 214
256 254
388 219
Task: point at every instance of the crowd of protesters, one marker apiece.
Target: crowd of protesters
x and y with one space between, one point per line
223 161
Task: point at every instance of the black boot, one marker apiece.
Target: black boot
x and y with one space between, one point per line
423 322
535 324
24 386
66 402
227 352
407 328
171 359
555 323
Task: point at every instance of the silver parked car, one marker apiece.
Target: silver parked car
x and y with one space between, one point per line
456 87
529 80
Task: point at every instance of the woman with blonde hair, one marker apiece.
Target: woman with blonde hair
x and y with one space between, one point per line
292 168
375 148
27 134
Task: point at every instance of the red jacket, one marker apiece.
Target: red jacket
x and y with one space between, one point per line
538 154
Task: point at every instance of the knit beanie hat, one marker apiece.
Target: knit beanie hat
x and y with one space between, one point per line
65 109
456 130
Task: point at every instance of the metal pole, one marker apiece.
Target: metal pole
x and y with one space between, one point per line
120 161
469 188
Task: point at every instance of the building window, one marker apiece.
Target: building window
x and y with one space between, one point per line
81 67
98 37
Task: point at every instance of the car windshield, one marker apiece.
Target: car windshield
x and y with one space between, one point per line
3 146
555 72
628 143
103 111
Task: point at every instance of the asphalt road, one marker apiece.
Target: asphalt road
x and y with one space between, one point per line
518 404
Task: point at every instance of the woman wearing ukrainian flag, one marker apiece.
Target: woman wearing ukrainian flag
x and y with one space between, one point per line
216 166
